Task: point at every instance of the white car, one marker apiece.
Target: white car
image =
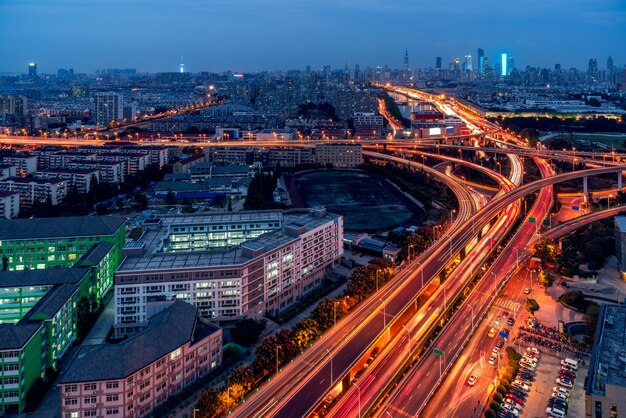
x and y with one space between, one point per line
495 350
512 404
559 395
521 384
509 407
561 390
492 360
566 383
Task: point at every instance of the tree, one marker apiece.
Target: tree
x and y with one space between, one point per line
287 345
210 404
305 332
575 299
101 209
247 331
532 306
170 198
243 376
324 313
547 250
545 278
141 200
265 355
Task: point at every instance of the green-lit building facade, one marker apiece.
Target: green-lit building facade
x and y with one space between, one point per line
39 305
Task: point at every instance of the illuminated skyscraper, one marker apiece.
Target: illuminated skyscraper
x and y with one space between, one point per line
457 65
406 60
593 67
503 64
468 65
108 108
32 70
481 61
182 66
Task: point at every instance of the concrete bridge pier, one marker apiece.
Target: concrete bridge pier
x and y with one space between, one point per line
585 189
619 182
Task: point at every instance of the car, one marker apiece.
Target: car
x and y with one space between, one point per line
527 376
510 321
526 291
566 383
505 314
554 413
528 364
500 343
497 321
491 332
471 380
521 386
561 390
495 350
518 392
557 403
534 350
515 399
559 395
567 373
509 407
492 360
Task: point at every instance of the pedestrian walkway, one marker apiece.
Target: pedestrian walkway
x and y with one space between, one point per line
507 305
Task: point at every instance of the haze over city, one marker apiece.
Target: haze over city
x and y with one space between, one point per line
251 35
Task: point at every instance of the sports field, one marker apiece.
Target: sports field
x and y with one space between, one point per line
369 203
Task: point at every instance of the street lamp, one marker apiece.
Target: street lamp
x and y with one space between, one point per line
384 314
359 388
331 367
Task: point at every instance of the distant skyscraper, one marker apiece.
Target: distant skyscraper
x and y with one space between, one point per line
557 67
511 65
108 108
438 63
182 65
481 61
406 59
593 67
456 65
32 70
609 64
503 64
468 65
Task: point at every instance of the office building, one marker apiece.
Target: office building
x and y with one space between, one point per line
438 63
9 205
511 65
605 386
468 64
230 265
131 378
39 316
38 243
609 64
108 108
592 71
32 70
339 155
481 61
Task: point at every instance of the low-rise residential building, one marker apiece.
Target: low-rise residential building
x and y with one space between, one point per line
7 170
605 386
134 162
110 171
287 157
64 158
185 164
230 265
35 191
26 163
339 155
131 378
81 180
9 205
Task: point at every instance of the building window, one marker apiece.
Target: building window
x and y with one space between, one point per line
89 386
613 411
90 414
175 354
91 399
112 385
71 401
71 388
112 398
113 411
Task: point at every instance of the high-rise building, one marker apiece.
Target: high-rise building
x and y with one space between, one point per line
32 70
468 65
481 61
182 65
593 67
406 59
438 63
456 66
503 64
609 64
108 108
557 67
511 65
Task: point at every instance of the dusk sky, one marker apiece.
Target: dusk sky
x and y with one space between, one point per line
253 35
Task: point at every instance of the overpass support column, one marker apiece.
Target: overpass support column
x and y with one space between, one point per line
585 189
619 182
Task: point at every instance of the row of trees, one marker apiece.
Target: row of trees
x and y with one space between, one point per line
280 348
505 382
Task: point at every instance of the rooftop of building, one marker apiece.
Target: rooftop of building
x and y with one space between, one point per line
608 359
153 259
184 186
62 227
46 277
166 331
6 194
219 168
29 180
191 158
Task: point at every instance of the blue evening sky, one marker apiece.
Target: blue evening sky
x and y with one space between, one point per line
252 35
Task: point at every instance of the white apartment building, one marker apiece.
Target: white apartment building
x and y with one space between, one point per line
82 180
7 171
233 265
9 205
25 163
339 155
35 190
110 172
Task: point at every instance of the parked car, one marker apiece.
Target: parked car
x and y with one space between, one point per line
561 390
471 381
566 383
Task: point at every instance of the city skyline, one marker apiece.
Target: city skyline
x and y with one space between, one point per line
250 37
